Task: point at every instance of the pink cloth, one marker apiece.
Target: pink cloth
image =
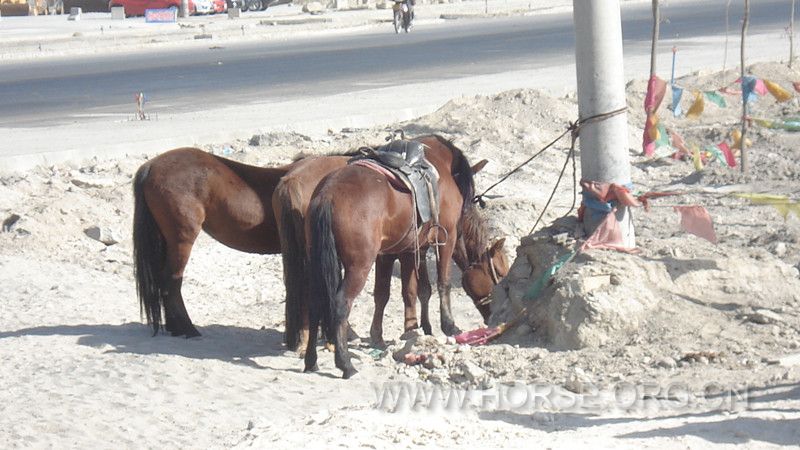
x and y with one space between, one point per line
726 150
477 337
397 184
695 220
656 88
761 88
678 143
607 236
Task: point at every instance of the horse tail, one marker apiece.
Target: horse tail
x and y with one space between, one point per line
293 251
325 269
149 255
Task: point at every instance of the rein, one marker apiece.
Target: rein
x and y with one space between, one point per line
493 273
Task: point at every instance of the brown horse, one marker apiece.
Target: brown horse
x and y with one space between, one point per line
179 193
290 202
354 216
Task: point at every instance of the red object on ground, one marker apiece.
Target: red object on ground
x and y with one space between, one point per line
412 359
477 337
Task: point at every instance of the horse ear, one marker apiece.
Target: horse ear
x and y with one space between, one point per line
497 246
479 166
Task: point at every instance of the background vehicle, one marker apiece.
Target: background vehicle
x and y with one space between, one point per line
87 5
137 7
203 7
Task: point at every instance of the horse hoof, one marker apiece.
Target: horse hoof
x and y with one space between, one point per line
349 373
352 335
313 368
381 344
329 346
451 330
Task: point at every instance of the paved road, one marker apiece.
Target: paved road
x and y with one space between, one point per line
80 89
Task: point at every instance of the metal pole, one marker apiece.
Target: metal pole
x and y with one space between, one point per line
743 144
184 11
601 89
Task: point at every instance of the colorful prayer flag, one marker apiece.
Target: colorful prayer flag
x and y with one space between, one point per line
780 94
715 98
656 88
697 107
677 93
760 87
698 163
748 88
779 202
726 150
736 135
696 220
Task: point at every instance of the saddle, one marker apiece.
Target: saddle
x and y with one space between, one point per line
405 159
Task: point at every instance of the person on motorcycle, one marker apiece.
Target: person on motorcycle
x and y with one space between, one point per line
410 4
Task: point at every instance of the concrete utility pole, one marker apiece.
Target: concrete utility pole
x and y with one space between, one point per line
184 11
601 89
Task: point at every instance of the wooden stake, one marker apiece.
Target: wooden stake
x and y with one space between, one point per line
744 98
791 36
654 44
727 28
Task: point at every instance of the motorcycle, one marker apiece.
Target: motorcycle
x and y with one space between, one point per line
403 15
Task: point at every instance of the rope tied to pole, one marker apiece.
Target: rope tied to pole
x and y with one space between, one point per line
574 130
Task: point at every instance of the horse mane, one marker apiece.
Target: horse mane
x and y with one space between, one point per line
472 228
461 171
471 224
304 155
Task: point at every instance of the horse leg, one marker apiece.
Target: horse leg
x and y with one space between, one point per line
443 286
408 274
311 342
177 320
383 279
354 280
424 295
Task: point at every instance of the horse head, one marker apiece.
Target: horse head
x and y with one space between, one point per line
480 278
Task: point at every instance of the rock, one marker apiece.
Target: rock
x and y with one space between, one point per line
313 8
91 183
321 417
577 381
10 222
764 317
780 249
412 359
472 371
104 235
790 360
667 363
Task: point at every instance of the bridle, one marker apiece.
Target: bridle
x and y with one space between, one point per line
493 274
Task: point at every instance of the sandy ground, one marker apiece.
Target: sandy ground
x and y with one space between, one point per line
79 369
